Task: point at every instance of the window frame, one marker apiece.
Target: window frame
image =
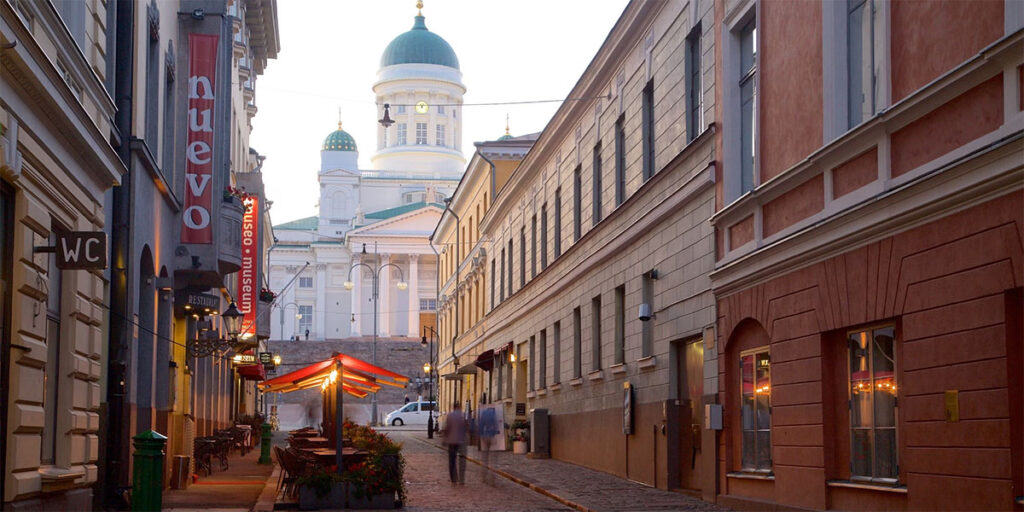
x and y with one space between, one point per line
421 134
694 94
595 333
402 135
755 352
889 481
647 130
620 160
544 236
533 246
439 135
558 223
596 186
577 203
577 343
620 324
522 256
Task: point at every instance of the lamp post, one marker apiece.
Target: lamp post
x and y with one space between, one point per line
429 368
297 315
349 285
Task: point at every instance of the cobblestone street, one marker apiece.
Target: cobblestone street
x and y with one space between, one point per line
524 484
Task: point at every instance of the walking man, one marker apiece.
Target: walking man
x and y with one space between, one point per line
455 437
489 431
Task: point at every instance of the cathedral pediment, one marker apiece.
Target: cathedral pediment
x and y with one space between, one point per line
415 223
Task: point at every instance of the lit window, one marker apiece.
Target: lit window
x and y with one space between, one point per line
873 404
755 410
305 318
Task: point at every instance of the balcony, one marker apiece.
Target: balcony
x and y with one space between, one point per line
229 258
263 320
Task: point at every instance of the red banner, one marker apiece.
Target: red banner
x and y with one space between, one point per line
248 276
197 218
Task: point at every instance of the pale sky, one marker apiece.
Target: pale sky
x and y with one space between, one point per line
330 52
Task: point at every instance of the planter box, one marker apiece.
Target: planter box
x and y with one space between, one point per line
375 502
308 500
519 447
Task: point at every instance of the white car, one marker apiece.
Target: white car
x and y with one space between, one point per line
412 413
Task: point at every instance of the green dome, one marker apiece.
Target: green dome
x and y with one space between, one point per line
505 137
419 46
339 140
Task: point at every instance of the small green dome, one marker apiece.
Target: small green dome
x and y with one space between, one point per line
339 140
505 137
419 46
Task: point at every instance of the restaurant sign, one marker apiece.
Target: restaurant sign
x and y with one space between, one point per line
197 215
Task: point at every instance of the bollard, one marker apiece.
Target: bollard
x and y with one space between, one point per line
147 479
264 444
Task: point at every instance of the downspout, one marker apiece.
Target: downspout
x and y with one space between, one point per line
494 178
117 449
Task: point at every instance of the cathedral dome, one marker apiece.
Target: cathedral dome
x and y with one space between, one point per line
339 140
419 46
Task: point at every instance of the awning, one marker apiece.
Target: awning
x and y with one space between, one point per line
252 372
358 377
485 361
469 369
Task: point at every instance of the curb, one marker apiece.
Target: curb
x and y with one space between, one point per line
534 487
268 497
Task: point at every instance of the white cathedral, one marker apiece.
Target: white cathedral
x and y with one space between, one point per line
380 217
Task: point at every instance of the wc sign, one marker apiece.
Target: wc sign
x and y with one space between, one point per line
81 250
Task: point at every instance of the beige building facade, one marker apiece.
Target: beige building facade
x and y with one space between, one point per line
598 306
56 163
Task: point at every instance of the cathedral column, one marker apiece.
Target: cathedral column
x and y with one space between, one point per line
414 295
357 296
320 309
384 292
287 320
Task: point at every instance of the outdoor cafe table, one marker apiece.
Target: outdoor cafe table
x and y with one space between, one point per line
326 455
315 442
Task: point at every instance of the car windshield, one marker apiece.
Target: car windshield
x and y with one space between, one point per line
409 408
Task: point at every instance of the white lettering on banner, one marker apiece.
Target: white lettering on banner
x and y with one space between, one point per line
198 208
190 220
247 276
193 88
197 188
199 126
195 151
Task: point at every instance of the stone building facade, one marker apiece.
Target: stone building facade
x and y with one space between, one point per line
604 221
868 225
56 166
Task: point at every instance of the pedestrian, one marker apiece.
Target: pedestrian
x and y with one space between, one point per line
307 334
455 438
488 430
407 398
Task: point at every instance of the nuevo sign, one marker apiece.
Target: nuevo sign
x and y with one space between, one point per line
196 219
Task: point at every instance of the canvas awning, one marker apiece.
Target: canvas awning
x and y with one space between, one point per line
252 372
359 378
485 361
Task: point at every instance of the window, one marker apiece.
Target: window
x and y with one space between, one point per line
439 136
748 103
647 328
755 410
401 109
440 109
543 366
73 13
620 160
863 38
492 283
152 84
577 186
428 304
558 222
305 282
648 129
533 247
577 344
305 318
533 362
620 324
522 256
502 275
694 105
52 371
873 404
595 332
597 184
403 134
556 371
421 133
510 253
544 236
168 151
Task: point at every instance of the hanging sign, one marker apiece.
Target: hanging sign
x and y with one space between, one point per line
77 250
248 284
197 217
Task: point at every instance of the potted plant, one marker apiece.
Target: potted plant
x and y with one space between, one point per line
322 489
267 295
376 482
520 436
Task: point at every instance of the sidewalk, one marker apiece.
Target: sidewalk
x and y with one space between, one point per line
581 488
237 489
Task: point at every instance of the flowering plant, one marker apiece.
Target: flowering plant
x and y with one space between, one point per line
382 470
267 295
521 430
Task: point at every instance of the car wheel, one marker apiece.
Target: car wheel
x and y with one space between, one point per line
397 422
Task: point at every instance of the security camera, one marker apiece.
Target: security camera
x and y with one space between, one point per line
645 312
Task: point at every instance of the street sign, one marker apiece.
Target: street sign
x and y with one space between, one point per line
80 250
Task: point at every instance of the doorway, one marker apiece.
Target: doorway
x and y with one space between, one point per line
690 363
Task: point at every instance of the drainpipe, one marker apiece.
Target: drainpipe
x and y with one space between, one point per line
117 448
494 179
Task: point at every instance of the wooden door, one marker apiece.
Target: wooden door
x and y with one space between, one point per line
691 413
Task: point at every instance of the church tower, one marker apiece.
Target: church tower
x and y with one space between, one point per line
339 180
419 77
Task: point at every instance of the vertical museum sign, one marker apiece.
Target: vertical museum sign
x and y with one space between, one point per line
248 285
196 219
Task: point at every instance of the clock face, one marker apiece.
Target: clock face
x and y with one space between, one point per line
421 107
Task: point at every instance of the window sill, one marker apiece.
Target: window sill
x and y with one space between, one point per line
507 400
868 486
645 363
542 392
531 394
576 382
618 369
57 474
750 475
595 375
554 387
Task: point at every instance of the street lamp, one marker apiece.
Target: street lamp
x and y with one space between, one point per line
427 368
349 285
298 316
